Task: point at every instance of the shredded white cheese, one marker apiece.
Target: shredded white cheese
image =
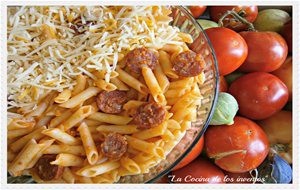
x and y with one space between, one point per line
49 46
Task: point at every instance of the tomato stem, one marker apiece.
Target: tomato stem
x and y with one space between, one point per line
237 17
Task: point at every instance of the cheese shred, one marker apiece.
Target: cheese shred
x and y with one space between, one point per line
49 45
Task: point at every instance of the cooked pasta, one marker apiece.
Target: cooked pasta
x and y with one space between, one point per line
98 97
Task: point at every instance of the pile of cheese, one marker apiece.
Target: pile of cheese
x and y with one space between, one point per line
49 46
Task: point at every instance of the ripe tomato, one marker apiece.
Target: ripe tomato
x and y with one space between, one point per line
266 51
237 148
259 95
198 171
196 151
230 48
223 84
287 33
278 127
197 10
285 74
247 12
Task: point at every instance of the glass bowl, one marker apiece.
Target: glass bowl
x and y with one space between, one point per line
186 23
209 90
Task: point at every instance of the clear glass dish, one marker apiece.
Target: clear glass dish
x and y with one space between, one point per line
186 23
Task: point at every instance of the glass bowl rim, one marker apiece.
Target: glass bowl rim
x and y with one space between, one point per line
214 101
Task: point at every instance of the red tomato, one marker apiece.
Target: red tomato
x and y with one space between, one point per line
285 74
230 48
237 148
247 12
287 33
196 151
266 51
198 171
223 84
197 10
259 95
238 177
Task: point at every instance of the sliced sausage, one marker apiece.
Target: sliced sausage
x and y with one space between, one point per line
47 171
149 115
114 146
111 102
188 64
140 57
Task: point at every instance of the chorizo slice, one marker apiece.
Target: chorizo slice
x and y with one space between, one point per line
47 171
114 146
149 115
188 64
140 57
111 102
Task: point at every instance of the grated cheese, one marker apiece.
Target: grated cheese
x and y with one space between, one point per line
46 52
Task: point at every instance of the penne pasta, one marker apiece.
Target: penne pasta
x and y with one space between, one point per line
10 155
181 83
24 157
95 170
54 110
65 159
55 127
153 85
185 101
19 132
119 84
144 146
162 79
59 119
121 129
173 124
81 97
18 123
92 123
101 74
152 132
186 37
80 85
77 117
171 48
131 106
36 134
181 115
81 179
166 65
102 84
110 118
63 96
176 93
43 121
34 160
185 125
39 110
77 150
130 165
102 179
61 136
167 136
131 81
88 143
68 176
